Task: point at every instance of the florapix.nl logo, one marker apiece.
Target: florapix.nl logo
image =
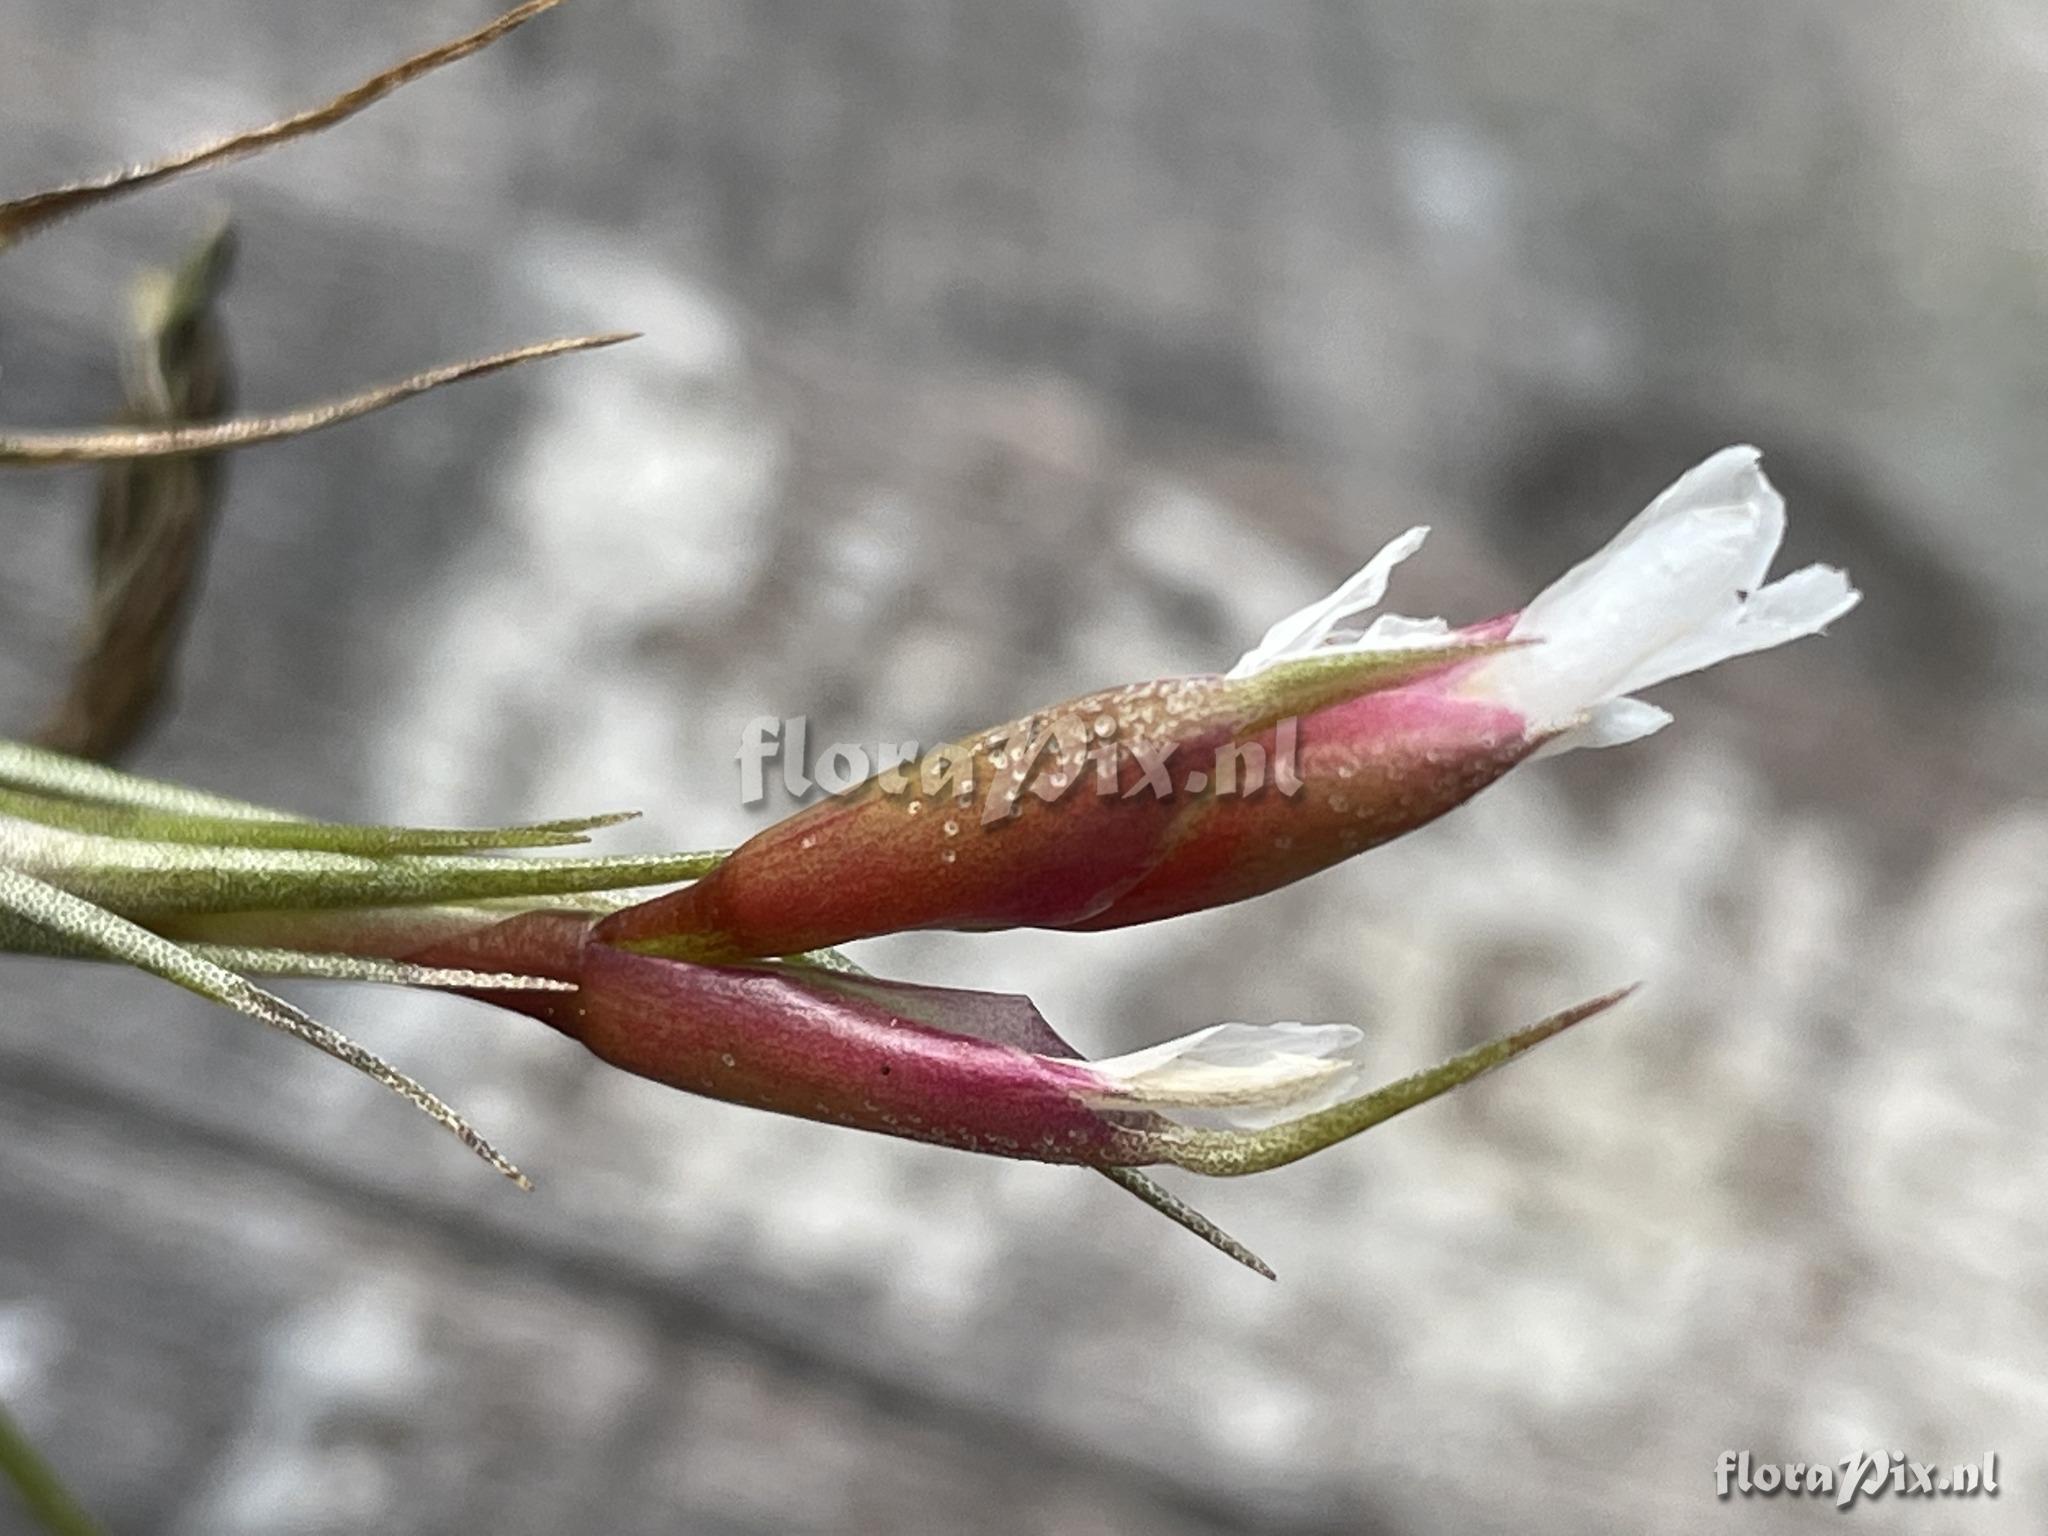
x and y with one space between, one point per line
1049 758
1865 1475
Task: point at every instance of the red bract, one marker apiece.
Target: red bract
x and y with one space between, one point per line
1043 822
1369 770
982 1072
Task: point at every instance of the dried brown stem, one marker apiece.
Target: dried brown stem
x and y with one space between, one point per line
24 216
155 517
110 443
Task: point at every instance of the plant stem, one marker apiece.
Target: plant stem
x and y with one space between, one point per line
48 1501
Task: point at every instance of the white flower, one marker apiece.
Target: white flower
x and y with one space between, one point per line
1679 589
1326 628
1240 1076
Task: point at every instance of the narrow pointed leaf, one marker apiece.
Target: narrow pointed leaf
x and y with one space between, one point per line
311 836
18 936
100 445
372 931
38 1486
314 965
25 215
68 917
1175 1209
141 878
58 773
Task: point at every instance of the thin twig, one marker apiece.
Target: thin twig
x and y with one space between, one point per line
26 215
100 446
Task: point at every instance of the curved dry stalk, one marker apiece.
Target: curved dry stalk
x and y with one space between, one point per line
92 928
101 445
24 216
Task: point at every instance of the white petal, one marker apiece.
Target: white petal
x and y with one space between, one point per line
1249 1075
1612 724
1790 608
1675 591
1393 632
1331 624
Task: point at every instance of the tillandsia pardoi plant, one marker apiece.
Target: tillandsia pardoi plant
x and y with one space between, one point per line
1337 731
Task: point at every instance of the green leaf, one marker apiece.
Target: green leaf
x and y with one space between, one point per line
102 820
41 1490
20 937
1175 1209
317 965
140 878
58 773
96 930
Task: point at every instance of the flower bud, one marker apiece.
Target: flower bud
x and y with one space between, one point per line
1679 589
1042 822
984 1072
1332 735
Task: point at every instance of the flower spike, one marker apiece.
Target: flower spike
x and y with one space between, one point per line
1348 727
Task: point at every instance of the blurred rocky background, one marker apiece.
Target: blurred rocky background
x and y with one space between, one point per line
997 349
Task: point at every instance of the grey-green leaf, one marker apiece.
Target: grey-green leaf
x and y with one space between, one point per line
139 878
1177 1210
123 821
94 929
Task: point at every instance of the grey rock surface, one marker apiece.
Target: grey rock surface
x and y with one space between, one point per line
996 351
